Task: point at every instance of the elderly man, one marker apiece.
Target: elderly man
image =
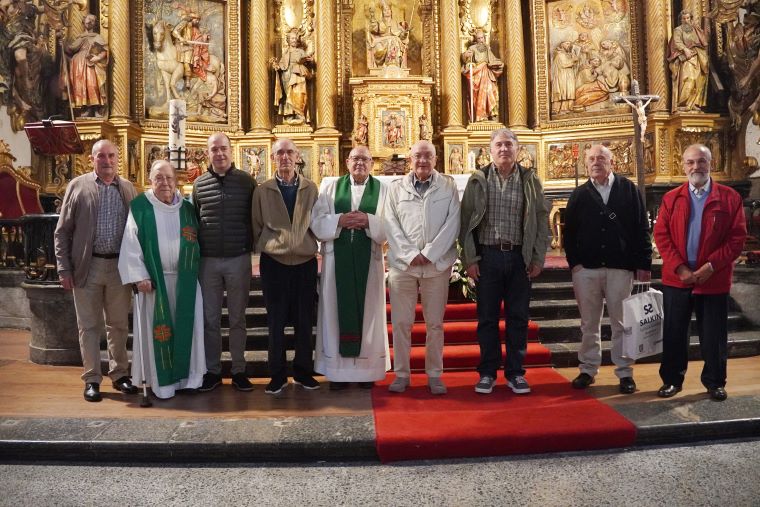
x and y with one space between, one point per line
222 200
503 238
163 266
422 220
700 231
606 241
352 335
281 217
87 243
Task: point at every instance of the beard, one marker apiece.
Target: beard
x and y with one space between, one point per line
698 179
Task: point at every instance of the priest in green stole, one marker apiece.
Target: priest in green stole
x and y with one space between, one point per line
160 256
352 334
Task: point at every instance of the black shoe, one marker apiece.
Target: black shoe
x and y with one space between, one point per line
92 391
338 386
241 382
124 384
668 390
366 385
582 381
627 385
276 386
718 393
307 382
210 382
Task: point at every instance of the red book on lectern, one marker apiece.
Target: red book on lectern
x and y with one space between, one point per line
54 137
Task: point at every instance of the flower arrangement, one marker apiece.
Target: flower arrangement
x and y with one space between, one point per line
459 281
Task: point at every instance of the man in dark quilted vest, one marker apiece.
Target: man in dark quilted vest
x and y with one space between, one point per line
222 199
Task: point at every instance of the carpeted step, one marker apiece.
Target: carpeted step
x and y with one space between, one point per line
554 417
459 332
467 357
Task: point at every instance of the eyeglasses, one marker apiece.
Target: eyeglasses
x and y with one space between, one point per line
423 156
364 160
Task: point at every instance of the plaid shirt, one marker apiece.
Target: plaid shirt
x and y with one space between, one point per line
112 217
504 212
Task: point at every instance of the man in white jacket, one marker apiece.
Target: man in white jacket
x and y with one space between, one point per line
352 334
422 223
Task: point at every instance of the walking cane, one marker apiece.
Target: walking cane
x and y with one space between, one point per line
144 400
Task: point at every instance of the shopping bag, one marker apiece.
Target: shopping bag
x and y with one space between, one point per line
642 324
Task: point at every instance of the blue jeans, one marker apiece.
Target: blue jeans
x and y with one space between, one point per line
502 278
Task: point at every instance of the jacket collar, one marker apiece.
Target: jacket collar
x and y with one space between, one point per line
715 192
408 181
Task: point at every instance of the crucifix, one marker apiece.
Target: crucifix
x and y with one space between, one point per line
638 104
177 118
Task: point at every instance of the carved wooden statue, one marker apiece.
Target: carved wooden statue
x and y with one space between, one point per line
689 64
481 68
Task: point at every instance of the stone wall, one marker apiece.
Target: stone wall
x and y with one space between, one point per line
14 305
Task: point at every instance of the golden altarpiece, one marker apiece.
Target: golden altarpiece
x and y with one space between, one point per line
331 74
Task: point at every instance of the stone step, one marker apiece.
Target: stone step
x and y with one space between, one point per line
740 344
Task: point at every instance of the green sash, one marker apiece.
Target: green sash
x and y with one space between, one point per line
172 339
353 250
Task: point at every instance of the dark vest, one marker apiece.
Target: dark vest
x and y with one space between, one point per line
223 206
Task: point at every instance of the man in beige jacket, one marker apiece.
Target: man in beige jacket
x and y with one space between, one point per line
422 222
87 243
281 216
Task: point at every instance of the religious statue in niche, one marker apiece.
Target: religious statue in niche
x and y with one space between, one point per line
481 68
254 162
393 129
326 163
525 158
185 59
87 71
689 64
742 56
387 38
292 70
590 55
483 158
456 161
424 128
361 132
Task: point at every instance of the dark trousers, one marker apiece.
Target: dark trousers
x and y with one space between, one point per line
289 296
712 318
502 278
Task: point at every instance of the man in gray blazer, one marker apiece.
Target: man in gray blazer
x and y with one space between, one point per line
87 243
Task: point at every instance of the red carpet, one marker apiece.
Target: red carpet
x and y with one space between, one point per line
553 418
459 332
467 357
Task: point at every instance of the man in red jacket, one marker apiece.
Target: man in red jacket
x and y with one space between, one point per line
700 232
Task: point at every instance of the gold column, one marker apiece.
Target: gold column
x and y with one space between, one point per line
451 80
327 86
258 68
657 17
517 95
695 7
120 55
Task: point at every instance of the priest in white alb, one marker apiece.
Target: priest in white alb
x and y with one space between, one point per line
352 334
160 256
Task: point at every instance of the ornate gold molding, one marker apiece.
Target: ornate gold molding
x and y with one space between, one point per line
517 95
258 70
451 80
327 86
658 16
119 26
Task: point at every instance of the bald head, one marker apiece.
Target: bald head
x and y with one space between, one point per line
423 159
599 163
220 152
105 160
284 157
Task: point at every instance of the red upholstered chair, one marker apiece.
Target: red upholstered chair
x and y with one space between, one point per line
19 194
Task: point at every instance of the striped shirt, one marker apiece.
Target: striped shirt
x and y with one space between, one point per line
504 211
112 217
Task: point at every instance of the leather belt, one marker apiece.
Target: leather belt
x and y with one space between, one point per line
505 247
106 256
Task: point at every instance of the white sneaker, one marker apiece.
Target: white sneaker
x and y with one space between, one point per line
399 385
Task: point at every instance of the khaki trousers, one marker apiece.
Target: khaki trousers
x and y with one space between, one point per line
103 301
403 289
592 288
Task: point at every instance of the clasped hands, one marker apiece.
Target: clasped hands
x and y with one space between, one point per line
354 220
698 277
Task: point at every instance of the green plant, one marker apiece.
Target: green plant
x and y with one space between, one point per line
460 280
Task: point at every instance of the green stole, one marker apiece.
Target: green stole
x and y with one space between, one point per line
353 250
172 339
